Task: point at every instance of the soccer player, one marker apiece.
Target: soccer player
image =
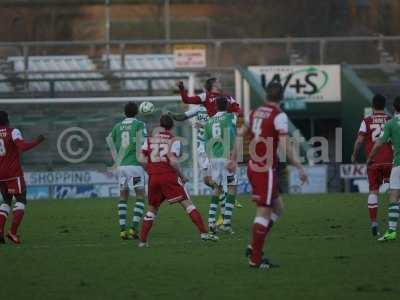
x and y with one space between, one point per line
12 183
378 171
200 113
160 157
125 141
391 134
220 134
207 99
268 127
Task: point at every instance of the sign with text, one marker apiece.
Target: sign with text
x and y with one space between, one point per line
315 83
190 56
349 171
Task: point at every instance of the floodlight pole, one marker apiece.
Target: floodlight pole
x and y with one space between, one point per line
108 33
167 23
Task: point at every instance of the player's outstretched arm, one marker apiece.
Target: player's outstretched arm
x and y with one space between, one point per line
23 145
185 97
180 117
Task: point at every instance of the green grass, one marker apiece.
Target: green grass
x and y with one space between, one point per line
71 250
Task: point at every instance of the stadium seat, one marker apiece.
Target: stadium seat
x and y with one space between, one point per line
5 87
61 64
146 62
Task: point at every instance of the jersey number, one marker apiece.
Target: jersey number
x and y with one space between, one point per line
2 148
216 130
377 131
159 152
256 128
125 139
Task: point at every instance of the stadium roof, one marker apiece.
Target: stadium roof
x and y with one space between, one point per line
83 2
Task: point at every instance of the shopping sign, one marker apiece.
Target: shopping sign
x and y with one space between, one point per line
190 56
319 83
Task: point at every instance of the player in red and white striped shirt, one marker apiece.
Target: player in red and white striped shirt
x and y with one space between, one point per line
12 183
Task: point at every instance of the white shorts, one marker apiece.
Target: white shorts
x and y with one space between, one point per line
220 175
204 165
395 178
131 177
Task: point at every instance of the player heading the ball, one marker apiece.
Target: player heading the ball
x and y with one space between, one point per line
213 90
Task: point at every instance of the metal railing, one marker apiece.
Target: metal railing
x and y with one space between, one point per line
316 50
119 82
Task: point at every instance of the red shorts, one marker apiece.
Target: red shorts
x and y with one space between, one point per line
265 187
15 186
167 186
377 175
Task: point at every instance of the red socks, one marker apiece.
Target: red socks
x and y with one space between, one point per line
3 220
4 211
18 215
196 218
261 227
373 207
146 225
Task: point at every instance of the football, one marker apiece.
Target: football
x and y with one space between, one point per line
146 108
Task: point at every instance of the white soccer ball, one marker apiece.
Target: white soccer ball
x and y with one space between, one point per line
146 108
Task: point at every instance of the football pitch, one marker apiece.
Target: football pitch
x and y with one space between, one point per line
71 250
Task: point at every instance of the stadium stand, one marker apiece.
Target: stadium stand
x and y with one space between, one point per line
152 63
5 87
63 67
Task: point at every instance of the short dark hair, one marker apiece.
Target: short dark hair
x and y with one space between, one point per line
222 103
4 118
210 83
166 121
131 109
379 102
396 104
274 91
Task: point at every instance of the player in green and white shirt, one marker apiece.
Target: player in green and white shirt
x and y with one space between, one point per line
199 112
220 136
125 141
201 117
391 134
